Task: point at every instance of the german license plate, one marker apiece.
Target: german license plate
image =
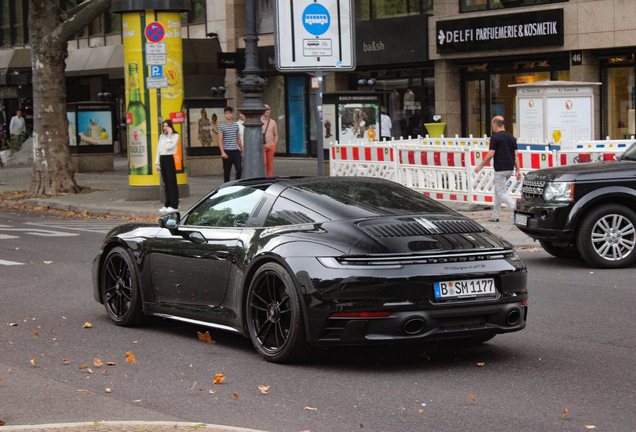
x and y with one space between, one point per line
465 289
521 219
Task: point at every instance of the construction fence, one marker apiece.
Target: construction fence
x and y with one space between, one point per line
444 168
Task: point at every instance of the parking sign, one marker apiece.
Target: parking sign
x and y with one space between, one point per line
315 35
156 71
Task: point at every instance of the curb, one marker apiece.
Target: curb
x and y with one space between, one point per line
108 425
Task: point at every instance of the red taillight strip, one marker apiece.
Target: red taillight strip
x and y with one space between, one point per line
360 315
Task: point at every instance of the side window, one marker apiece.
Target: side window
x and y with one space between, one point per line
287 212
229 207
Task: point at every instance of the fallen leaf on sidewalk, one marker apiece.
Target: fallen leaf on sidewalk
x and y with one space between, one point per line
107 390
311 409
83 367
97 362
87 325
130 358
235 396
48 262
33 362
263 389
565 414
472 397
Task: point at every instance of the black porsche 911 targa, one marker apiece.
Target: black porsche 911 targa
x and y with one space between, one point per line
291 262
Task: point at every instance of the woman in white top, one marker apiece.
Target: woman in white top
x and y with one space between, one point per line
164 162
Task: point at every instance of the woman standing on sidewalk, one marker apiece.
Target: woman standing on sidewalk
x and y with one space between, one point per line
164 162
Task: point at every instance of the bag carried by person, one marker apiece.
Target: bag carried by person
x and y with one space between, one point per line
266 127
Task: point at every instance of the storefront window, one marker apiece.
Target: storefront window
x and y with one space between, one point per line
408 96
620 101
488 93
478 5
378 9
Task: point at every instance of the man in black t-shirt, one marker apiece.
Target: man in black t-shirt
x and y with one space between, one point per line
503 148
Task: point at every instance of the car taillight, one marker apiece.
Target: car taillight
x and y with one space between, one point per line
524 302
360 314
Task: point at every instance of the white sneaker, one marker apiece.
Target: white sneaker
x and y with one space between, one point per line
162 210
171 210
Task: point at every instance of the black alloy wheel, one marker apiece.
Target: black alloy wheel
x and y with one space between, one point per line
120 288
560 252
274 316
607 236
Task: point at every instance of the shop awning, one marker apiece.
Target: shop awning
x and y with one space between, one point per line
96 61
10 61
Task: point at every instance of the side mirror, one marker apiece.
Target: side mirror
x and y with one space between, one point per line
170 221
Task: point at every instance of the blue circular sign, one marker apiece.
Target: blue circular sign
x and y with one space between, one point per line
316 19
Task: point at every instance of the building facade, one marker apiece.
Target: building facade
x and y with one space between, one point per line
452 58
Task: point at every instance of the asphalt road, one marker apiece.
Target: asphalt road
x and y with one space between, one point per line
577 354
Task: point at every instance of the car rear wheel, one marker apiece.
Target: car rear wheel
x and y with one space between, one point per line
120 288
607 237
274 315
560 252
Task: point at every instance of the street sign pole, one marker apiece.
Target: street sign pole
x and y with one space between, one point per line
319 140
315 36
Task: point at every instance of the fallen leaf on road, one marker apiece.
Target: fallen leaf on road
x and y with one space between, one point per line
590 427
421 411
97 362
263 389
311 409
235 396
66 362
13 324
472 397
87 392
83 367
565 414
137 341
110 363
205 337
105 370
130 358
33 362
107 390
219 378
89 370
48 262
36 334
193 386
481 364
137 400
87 325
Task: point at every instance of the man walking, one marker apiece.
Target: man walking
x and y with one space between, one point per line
17 125
231 145
503 149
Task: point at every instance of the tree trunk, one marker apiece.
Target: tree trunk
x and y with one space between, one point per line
50 29
53 171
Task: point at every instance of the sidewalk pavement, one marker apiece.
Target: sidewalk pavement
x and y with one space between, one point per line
130 426
109 192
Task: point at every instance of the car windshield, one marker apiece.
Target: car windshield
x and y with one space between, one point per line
630 153
352 198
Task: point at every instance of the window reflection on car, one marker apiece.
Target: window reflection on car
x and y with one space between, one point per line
229 207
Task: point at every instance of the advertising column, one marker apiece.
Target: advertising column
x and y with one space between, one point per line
154 93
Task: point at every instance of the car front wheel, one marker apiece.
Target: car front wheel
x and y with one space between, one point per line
120 288
274 315
607 237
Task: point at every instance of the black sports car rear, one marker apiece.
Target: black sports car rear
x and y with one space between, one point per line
322 261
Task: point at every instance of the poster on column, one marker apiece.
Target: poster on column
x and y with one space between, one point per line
569 120
154 89
530 119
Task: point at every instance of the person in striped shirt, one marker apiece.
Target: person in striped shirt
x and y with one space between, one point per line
231 145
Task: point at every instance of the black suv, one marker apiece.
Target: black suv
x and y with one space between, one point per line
586 210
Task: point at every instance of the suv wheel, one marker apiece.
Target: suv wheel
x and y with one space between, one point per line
560 252
607 236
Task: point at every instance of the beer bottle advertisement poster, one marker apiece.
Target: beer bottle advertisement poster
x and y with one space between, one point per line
154 89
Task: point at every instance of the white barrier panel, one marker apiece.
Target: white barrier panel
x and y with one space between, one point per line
444 168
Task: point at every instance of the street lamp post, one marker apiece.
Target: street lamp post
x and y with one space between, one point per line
252 85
